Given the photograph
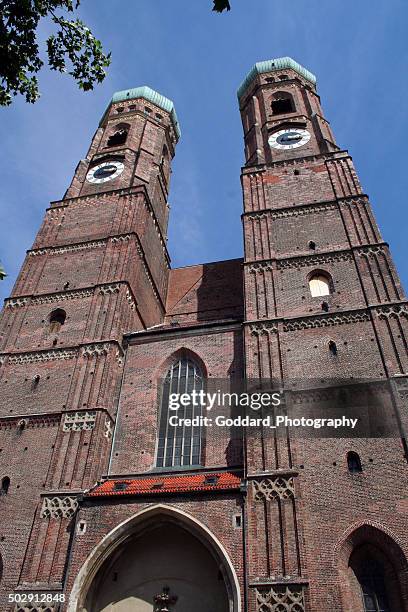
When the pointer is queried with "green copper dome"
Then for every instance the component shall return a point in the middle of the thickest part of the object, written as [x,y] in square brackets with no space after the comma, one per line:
[152,96]
[280,63]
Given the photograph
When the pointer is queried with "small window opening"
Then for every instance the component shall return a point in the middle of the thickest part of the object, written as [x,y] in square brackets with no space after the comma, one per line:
[237,521]
[354,463]
[120,109]
[158,485]
[283,77]
[5,485]
[312,245]
[211,480]
[66,285]
[118,138]
[281,107]
[325,306]
[333,347]
[120,486]
[57,320]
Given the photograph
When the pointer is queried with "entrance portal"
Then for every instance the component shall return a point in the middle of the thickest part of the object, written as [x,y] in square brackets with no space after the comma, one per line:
[162,567]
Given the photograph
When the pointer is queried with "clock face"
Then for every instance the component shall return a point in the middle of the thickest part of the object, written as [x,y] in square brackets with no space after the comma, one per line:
[290,138]
[106,171]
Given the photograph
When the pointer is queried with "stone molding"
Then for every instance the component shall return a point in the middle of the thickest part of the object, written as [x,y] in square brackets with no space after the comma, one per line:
[280,598]
[79,421]
[263,328]
[59,506]
[277,487]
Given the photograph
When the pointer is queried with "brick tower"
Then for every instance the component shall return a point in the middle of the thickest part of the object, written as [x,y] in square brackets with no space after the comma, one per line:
[98,268]
[104,505]
[323,304]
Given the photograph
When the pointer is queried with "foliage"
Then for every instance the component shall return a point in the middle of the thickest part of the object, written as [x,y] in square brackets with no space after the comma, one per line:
[221,5]
[72,48]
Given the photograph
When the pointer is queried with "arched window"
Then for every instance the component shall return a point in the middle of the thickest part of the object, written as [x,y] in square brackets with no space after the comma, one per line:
[180,445]
[319,285]
[354,463]
[5,485]
[282,103]
[119,136]
[57,320]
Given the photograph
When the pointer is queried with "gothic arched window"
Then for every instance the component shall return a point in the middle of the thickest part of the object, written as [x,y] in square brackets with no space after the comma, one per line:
[180,445]
[282,103]
[320,285]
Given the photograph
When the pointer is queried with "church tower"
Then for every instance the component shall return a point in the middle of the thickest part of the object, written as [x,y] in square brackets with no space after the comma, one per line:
[323,306]
[98,269]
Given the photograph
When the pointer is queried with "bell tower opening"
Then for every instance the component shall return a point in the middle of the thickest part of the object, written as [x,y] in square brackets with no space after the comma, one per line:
[162,566]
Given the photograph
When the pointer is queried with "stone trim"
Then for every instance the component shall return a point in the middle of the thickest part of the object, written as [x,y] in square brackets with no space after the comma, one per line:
[79,421]
[277,487]
[58,507]
[280,598]
[263,328]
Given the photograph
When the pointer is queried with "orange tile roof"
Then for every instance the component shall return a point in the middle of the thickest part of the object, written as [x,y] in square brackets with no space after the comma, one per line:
[158,485]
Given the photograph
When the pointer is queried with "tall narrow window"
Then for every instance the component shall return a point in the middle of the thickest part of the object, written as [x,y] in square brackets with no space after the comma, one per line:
[180,445]
[5,485]
[319,285]
[57,320]
[354,463]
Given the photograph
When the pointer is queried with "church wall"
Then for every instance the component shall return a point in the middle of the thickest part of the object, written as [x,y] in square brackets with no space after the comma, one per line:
[146,364]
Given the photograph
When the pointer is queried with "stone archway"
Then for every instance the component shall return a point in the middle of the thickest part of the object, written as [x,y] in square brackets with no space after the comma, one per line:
[157,553]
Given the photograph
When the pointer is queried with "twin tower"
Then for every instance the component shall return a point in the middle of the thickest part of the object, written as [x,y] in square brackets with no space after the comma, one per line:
[106,506]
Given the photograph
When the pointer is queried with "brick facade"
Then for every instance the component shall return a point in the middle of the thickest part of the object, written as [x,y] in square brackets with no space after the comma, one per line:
[80,400]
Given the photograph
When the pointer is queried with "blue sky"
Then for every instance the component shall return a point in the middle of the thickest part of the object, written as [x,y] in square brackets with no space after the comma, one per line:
[357,49]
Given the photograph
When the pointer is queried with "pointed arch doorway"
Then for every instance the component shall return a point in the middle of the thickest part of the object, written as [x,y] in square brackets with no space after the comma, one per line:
[160,560]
